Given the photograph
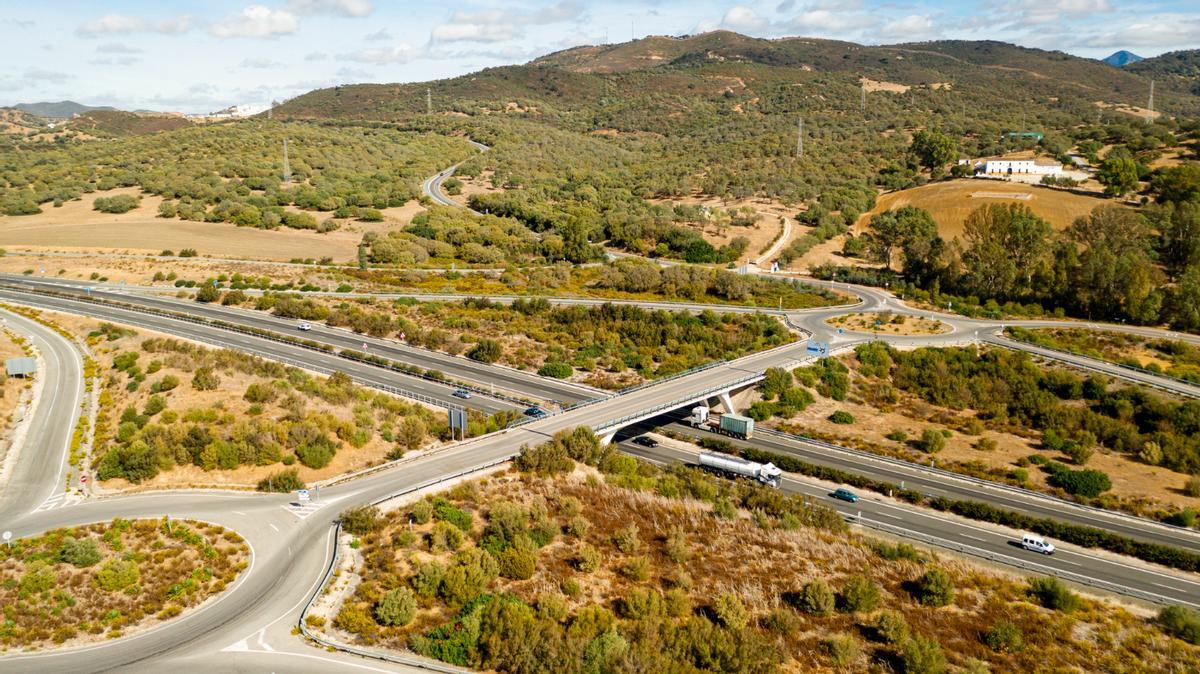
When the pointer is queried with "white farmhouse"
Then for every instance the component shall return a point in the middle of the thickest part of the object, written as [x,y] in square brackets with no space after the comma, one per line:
[1011,167]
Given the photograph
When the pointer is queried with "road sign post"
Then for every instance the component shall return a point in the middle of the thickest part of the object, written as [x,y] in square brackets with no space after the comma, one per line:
[302,495]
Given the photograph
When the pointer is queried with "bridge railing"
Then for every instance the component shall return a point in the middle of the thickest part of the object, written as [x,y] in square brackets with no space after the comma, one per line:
[678,402]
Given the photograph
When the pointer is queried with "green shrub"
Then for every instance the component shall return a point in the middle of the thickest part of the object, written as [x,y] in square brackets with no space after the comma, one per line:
[1085,483]
[117,575]
[922,656]
[517,562]
[556,370]
[446,536]
[860,594]
[677,602]
[587,559]
[1004,637]
[932,441]
[897,436]
[579,526]
[841,417]
[1053,594]
[281,482]
[627,539]
[731,611]
[935,588]
[361,520]
[636,569]
[445,511]
[1181,622]
[39,577]
[891,627]
[485,351]
[817,598]
[843,649]
[79,552]
[316,454]
[642,603]
[422,512]
[396,608]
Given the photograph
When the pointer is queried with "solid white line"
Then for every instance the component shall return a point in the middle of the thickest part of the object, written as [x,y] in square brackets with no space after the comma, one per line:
[273,527]
[974,538]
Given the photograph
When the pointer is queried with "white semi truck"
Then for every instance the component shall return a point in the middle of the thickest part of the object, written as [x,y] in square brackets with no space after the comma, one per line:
[733,425]
[765,473]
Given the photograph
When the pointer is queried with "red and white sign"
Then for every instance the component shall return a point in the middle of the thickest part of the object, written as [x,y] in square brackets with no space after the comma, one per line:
[83,478]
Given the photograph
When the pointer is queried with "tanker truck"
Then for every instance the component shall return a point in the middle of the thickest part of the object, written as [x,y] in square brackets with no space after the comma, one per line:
[733,466]
[733,425]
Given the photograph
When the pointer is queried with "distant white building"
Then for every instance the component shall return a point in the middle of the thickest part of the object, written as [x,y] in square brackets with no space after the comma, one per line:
[1010,167]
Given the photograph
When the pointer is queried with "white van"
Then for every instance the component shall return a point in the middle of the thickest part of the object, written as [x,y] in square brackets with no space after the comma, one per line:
[1037,544]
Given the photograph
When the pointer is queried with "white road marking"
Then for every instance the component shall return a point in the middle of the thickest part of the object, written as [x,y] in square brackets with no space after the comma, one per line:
[273,527]
[974,538]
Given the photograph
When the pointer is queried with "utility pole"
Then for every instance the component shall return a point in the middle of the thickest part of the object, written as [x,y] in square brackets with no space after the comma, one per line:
[287,168]
[428,101]
[1150,104]
[800,139]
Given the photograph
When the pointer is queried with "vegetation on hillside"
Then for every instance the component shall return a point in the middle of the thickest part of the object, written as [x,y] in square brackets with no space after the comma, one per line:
[98,581]
[661,569]
[167,403]
[1172,357]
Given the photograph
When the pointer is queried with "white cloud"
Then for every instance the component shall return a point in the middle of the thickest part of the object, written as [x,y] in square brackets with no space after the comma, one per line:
[19,23]
[120,24]
[743,19]
[381,35]
[495,25]
[474,32]
[51,76]
[117,61]
[117,48]
[1162,31]
[259,63]
[353,74]
[401,53]
[351,8]
[909,28]
[256,21]
[829,21]
[316,56]
[1037,12]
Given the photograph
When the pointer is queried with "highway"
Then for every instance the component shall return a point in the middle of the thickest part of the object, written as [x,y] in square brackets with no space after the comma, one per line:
[988,542]
[920,478]
[325,363]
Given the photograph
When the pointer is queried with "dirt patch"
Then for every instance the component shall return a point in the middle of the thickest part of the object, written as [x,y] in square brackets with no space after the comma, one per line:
[877,85]
[76,226]
[951,202]
[1129,109]
[761,234]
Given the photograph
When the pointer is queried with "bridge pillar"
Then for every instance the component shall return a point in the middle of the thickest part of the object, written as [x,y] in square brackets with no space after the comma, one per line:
[607,438]
[727,402]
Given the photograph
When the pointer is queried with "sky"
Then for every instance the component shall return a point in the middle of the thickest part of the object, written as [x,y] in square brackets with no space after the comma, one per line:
[203,56]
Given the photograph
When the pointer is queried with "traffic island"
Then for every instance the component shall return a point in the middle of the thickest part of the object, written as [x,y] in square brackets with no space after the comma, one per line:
[91,583]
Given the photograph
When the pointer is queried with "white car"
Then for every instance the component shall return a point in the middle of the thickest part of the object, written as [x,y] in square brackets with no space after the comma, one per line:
[305,326]
[1037,544]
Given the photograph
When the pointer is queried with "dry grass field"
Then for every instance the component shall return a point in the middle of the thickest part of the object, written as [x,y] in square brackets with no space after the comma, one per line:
[889,323]
[76,227]
[951,202]
[681,581]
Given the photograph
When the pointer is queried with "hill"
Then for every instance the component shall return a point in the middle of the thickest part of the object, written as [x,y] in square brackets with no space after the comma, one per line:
[1177,70]
[1122,58]
[57,110]
[120,123]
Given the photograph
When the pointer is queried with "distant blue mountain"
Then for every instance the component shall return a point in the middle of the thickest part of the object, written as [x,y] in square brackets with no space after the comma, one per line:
[1122,58]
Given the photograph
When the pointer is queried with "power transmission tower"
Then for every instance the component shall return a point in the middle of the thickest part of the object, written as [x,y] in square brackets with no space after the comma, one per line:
[800,139]
[287,168]
[428,101]
[1150,104]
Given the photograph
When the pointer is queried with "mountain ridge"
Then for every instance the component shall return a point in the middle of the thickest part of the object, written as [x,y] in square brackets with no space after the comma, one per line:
[58,109]
[1122,58]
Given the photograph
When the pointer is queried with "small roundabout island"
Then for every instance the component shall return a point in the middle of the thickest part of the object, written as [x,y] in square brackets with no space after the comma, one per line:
[91,583]
[889,323]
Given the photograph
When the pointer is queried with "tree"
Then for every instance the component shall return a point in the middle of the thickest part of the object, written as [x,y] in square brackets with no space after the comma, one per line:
[396,608]
[1115,276]
[1003,245]
[1119,175]
[933,149]
[1181,622]
[1178,184]
[1179,236]
[932,441]
[411,433]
